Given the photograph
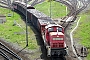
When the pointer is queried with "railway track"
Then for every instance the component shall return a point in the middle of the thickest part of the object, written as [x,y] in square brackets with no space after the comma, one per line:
[7,53]
[72,44]
[33,2]
[71,17]
[3,4]
[36,2]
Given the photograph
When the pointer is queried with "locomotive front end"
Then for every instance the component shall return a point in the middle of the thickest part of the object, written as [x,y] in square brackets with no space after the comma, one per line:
[55,39]
[57,44]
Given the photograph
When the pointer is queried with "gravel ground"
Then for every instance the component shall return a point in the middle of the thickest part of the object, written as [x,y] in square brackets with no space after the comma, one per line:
[76,44]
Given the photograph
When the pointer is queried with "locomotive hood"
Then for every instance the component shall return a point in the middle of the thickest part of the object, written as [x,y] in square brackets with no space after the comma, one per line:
[56,39]
[56,36]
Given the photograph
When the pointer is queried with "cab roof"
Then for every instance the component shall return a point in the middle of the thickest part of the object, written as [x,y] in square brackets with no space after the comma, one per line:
[51,25]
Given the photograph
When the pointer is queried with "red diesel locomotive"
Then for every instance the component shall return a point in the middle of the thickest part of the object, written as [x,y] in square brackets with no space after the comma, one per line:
[52,33]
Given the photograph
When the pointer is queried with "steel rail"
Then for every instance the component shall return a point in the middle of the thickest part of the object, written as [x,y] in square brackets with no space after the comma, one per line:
[11,53]
[4,55]
[40,1]
[3,2]
[71,8]
[6,49]
[4,6]
[34,2]
[37,2]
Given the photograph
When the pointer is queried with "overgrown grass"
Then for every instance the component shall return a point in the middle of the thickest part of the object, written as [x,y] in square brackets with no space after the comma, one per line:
[83,31]
[88,57]
[15,34]
[57,9]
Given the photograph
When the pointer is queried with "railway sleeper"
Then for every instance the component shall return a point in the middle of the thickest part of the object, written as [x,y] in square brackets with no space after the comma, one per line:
[8,51]
[4,55]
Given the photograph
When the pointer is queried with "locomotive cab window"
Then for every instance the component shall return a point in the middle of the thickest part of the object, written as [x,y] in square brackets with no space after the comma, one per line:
[60,29]
[50,29]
